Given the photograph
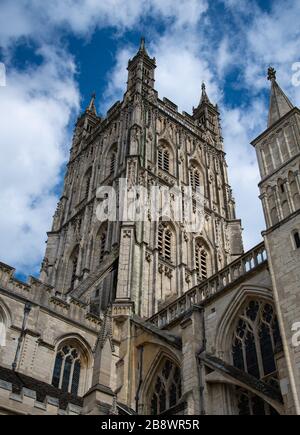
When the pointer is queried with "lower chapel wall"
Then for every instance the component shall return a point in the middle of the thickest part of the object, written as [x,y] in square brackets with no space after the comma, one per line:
[52,320]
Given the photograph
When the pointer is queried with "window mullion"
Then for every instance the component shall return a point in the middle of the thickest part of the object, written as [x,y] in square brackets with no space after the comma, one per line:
[62,372]
[258,350]
[71,377]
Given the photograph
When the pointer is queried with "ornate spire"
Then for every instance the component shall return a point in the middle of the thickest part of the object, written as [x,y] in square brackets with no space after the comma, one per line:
[204,96]
[280,105]
[142,45]
[92,107]
[142,48]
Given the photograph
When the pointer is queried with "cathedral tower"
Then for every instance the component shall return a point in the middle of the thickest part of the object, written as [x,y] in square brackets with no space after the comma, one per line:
[148,142]
[278,153]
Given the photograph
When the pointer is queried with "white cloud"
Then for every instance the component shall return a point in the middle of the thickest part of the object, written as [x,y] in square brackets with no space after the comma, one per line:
[240,127]
[180,70]
[35,109]
[37,104]
[30,17]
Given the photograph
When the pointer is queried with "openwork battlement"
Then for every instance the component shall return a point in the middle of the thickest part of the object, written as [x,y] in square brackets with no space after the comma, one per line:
[235,271]
[39,293]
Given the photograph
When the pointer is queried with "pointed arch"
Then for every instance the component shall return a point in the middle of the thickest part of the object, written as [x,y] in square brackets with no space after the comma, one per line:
[86,183]
[111,160]
[225,327]
[5,322]
[247,336]
[274,218]
[296,239]
[163,384]
[167,241]
[295,194]
[72,365]
[166,157]
[282,189]
[203,259]
[100,245]
[72,268]
[196,175]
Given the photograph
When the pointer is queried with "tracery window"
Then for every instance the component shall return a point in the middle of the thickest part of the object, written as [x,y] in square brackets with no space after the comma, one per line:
[165,239]
[254,340]
[66,374]
[167,388]
[201,259]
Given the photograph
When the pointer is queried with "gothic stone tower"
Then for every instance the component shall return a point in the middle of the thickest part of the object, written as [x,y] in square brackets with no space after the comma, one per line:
[148,142]
[278,152]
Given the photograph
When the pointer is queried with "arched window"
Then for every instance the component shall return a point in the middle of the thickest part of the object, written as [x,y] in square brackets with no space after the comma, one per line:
[165,242]
[272,206]
[66,374]
[2,330]
[87,183]
[73,266]
[294,190]
[282,189]
[255,337]
[164,159]
[195,177]
[296,236]
[100,248]
[111,161]
[113,157]
[202,260]
[167,388]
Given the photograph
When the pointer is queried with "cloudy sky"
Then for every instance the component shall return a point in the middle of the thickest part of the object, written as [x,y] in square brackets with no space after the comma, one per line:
[58,52]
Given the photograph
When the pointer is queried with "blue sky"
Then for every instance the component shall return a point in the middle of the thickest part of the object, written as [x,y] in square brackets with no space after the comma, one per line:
[58,52]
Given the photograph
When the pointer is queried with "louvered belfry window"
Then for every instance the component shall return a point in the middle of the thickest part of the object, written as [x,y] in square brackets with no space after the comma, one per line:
[165,240]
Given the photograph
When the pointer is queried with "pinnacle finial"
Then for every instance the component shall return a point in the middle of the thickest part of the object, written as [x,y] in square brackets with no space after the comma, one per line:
[142,45]
[204,96]
[271,73]
[91,106]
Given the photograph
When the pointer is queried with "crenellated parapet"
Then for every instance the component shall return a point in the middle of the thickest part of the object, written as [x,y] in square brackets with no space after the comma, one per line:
[40,294]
